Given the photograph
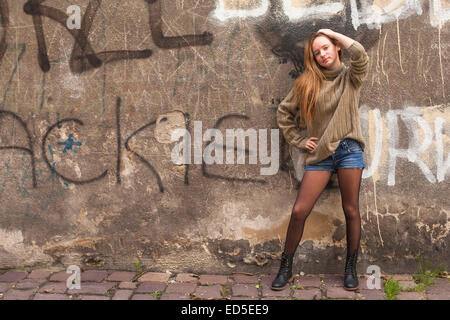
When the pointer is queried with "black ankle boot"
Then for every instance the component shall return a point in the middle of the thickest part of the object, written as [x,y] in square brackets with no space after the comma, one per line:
[284,275]
[350,276]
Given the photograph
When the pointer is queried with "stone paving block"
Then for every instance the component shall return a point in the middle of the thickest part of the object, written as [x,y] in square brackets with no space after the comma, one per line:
[122,295]
[175,296]
[339,293]
[186,277]
[184,288]
[247,290]
[243,278]
[410,296]
[14,294]
[277,298]
[405,285]
[151,287]
[367,294]
[39,274]
[30,283]
[208,292]
[213,279]
[245,298]
[13,276]
[128,285]
[439,296]
[94,275]
[331,280]
[94,297]
[143,297]
[308,281]
[121,276]
[268,292]
[307,294]
[266,280]
[93,288]
[60,276]
[54,287]
[50,296]
[401,277]
[154,277]
[4,286]
[439,286]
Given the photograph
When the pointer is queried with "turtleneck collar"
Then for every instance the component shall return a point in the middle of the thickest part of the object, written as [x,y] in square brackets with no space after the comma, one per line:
[331,74]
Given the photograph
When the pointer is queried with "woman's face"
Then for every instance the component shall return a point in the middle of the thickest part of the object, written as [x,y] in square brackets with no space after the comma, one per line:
[326,53]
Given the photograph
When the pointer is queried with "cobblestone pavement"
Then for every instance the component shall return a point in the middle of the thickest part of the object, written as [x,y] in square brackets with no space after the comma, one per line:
[45,284]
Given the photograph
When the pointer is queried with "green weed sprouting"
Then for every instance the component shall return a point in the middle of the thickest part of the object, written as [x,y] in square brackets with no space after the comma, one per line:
[391,289]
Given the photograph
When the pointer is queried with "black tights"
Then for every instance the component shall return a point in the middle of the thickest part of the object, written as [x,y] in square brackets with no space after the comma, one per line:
[311,187]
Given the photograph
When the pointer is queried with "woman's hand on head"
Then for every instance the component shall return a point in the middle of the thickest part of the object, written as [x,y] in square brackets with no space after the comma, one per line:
[328,32]
[310,144]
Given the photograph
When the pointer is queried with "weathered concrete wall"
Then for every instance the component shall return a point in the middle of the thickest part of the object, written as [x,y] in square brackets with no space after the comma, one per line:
[86,175]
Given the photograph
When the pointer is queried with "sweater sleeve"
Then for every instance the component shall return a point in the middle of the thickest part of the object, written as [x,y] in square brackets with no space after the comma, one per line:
[359,63]
[286,113]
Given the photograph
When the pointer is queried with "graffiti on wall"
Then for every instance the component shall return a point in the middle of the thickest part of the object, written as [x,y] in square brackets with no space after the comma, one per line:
[83,57]
[371,13]
[425,144]
[359,16]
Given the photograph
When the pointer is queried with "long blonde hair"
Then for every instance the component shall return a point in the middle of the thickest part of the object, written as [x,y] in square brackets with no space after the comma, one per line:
[307,85]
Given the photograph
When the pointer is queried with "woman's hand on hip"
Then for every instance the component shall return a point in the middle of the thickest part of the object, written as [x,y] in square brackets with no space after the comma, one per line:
[310,144]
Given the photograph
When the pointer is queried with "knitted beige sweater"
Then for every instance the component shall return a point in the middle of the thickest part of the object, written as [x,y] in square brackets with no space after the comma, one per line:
[337,114]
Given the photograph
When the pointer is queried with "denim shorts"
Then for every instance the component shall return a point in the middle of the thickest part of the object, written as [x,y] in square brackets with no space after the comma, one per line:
[348,154]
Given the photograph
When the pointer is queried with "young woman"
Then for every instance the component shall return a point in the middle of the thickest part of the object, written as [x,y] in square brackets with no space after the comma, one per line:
[327,98]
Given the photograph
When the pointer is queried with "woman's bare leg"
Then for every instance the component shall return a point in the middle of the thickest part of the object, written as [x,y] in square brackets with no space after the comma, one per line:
[311,187]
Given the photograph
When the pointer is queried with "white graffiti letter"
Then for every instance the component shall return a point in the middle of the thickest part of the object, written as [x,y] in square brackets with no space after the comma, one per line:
[442,166]
[438,15]
[411,117]
[370,170]
[374,13]
[226,9]
[321,11]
